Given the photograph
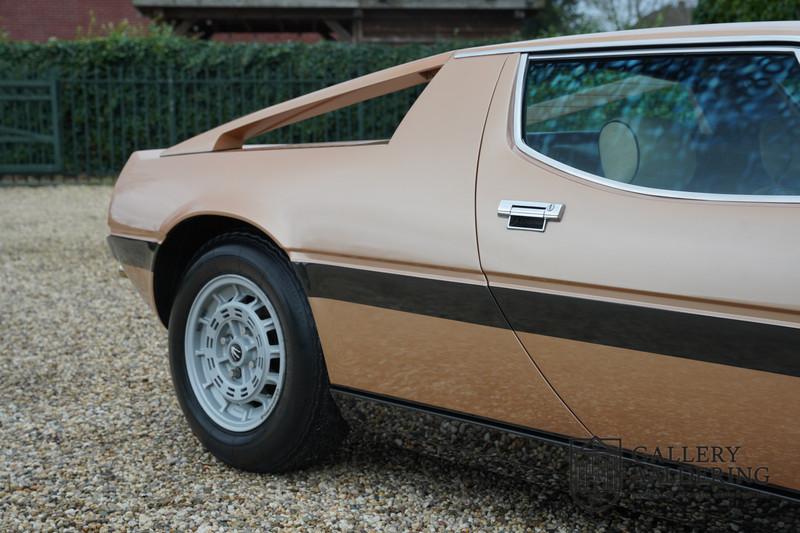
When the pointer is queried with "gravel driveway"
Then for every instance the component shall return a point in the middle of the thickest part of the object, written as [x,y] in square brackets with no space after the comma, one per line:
[93,439]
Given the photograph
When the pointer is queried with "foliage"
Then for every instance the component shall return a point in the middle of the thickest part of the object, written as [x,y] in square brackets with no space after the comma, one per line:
[135,89]
[162,49]
[709,11]
[559,17]
[623,14]
[122,28]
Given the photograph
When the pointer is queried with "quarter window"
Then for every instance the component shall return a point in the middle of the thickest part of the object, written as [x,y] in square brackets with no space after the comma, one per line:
[707,123]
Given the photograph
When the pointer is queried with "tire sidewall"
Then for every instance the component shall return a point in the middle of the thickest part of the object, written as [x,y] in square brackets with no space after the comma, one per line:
[268,445]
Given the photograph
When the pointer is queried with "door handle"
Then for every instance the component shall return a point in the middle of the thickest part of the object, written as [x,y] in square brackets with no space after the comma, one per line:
[531,216]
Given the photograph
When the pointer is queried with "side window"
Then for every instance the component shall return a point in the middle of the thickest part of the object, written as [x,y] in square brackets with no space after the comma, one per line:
[712,123]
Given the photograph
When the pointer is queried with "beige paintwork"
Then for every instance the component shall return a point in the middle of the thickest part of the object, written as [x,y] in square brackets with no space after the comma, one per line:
[408,206]
[655,400]
[678,242]
[439,362]
[623,247]
[372,189]
[738,33]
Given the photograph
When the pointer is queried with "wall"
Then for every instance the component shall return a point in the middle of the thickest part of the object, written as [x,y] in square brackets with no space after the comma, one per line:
[38,20]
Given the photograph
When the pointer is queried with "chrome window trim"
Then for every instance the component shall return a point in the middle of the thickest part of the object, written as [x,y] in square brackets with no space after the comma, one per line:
[519,142]
[641,44]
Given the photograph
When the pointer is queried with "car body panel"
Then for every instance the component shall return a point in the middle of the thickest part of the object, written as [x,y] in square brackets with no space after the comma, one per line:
[736,33]
[652,400]
[383,225]
[449,364]
[617,271]
[368,188]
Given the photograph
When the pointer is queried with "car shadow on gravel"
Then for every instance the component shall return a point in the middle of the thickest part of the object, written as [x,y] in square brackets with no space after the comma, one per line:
[531,478]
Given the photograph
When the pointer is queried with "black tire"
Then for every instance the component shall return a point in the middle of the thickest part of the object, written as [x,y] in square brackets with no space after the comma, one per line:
[305,424]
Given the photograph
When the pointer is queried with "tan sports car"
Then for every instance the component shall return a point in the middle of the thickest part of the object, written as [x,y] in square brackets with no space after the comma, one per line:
[582,236]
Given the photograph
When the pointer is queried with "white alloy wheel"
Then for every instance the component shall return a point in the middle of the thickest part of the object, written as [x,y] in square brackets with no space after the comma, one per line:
[235,353]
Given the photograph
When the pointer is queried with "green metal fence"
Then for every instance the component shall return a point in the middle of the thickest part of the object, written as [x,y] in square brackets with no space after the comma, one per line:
[29,129]
[90,124]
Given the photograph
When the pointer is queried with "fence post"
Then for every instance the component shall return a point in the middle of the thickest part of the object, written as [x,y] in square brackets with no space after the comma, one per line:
[360,107]
[58,160]
[171,97]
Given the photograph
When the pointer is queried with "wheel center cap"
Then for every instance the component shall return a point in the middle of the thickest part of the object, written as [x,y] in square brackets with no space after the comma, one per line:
[235,352]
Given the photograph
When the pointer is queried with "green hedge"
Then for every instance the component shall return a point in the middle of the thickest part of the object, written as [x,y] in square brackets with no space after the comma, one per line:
[161,49]
[122,93]
[711,11]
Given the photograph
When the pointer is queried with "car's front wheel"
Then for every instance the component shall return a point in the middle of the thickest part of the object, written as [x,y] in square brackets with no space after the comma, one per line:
[246,360]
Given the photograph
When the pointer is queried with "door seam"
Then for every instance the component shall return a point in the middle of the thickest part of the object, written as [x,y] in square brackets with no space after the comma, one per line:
[480,261]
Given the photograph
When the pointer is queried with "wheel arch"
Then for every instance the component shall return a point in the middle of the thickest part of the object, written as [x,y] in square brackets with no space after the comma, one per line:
[181,243]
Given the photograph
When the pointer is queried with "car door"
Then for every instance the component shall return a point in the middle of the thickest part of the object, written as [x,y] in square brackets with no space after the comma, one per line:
[637,218]
[387,251]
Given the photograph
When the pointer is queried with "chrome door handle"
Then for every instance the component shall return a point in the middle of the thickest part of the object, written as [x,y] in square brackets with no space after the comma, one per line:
[531,216]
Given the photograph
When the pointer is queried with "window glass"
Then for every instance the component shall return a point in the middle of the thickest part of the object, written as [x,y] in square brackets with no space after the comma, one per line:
[710,123]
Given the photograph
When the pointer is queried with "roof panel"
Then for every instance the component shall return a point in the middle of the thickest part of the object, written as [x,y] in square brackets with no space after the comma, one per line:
[741,31]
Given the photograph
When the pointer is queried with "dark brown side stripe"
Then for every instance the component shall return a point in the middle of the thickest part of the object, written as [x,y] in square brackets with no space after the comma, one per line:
[703,338]
[738,343]
[424,296]
[134,252]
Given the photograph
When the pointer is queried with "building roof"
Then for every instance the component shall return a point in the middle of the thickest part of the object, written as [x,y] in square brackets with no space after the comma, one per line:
[395,21]
[346,4]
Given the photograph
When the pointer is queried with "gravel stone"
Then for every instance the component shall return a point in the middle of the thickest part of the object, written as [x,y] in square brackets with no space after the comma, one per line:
[93,438]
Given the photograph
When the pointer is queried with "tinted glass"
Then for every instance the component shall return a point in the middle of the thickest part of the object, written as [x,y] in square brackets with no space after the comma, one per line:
[700,123]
